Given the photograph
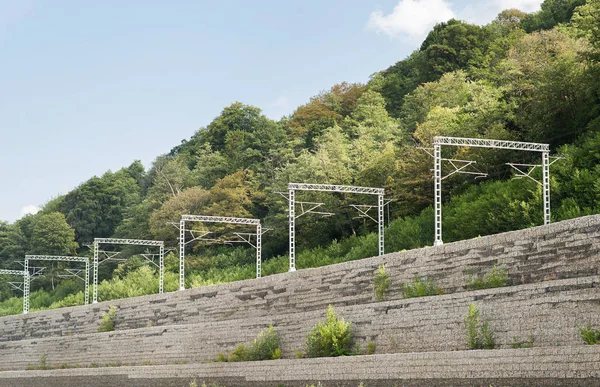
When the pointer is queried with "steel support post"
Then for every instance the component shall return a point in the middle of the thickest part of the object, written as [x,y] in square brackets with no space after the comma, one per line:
[26,282]
[182,255]
[546,185]
[437,182]
[258,251]
[161,268]
[87,282]
[381,225]
[292,217]
[95,291]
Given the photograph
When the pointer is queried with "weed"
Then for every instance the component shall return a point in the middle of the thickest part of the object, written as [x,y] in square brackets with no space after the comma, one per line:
[420,287]
[240,353]
[589,335]
[495,278]
[522,344]
[108,320]
[382,283]
[221,357]
[479,335]
[299,354]
[265,346]
[370,348]
[332,338]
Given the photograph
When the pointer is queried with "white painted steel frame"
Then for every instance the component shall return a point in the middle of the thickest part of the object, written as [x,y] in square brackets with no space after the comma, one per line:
[217,219]
[131,242]
[438,141]
[61,258]
[293,187]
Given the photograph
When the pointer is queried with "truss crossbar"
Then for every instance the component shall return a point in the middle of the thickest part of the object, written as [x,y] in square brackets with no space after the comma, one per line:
[220,219]
[484,143]
[12,272]
[336,188]
[118,241]
[56,258]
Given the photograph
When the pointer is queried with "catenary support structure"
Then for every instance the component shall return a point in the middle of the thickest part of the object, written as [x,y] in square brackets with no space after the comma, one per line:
[57,258]
[130,242]
[293,187]
[440,141]
[217,219]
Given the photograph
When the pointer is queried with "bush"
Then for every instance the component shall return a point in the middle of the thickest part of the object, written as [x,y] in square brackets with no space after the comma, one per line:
[479,335]
[589,335]
[265,346]
[382,283]
[420,287]
[496,278]
[370,348]
[332,338]
[108,320]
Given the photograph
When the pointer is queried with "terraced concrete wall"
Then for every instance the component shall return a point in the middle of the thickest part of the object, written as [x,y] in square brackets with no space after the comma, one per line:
[549,312]
[536,367]
[567,249]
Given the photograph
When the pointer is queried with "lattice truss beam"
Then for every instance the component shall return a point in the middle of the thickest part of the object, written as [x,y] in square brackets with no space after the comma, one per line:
[462,166]
[313,207]
[36,272]
[253,239]
[13,284]
[114,256]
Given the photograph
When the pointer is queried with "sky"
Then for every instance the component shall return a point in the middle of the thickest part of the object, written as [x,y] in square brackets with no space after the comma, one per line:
[87,87]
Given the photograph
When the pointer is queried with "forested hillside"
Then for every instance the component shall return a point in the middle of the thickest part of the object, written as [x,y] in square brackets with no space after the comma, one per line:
[526,77]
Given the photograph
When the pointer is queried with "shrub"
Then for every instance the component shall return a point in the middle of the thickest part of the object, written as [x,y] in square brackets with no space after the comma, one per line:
[479,335]
[382,283]
[522,344]
[332,338]
[589,335]
[370,348]
[265,346]
[420,287]
[108,320]
[497,277]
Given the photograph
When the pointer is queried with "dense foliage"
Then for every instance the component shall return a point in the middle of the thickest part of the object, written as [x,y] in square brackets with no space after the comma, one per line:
[526,77]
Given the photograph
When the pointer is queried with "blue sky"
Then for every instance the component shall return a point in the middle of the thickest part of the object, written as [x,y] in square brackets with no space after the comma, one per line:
[87,87]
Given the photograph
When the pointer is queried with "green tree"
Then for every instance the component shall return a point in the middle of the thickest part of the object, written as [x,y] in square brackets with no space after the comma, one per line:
[52,235]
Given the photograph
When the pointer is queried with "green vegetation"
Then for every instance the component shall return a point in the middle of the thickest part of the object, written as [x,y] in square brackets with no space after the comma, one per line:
[264,347]
[332,338]
[495,278]
[525,77]
[479,334]
[108,320]
[589,335]
[420,287]
[522,344]
[382,283]
[370,348]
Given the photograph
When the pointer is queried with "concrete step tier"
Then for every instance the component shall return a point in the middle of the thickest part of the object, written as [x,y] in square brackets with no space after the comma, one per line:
[534,367]
[549,312]
[569,249]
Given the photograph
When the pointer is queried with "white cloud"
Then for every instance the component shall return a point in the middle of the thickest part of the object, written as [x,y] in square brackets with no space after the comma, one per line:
[31,209]
[411,19]
[483,12]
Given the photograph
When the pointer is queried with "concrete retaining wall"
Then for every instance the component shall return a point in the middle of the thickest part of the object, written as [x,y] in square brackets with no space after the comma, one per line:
[536,367]
[568,249]
[549,312]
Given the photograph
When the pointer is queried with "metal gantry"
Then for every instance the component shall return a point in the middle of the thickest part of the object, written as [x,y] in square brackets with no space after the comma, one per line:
[59,258]
[243,238]
[293,187]
[13,284]
[130,242]
[439,141]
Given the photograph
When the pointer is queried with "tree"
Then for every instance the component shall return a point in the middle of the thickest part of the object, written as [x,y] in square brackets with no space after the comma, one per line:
[553,12]
[52,235]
